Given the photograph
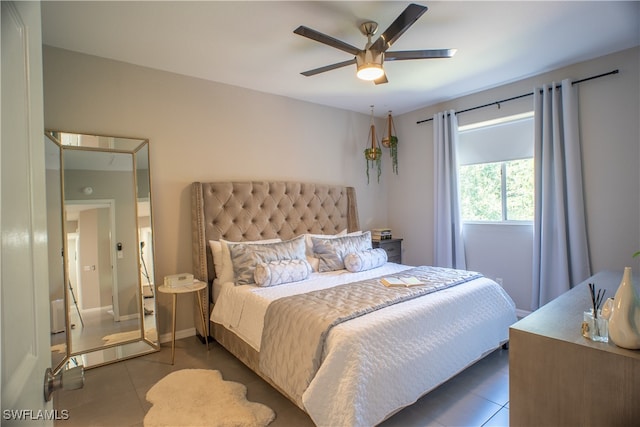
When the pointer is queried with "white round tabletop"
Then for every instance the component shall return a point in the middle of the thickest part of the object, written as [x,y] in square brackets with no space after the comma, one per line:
[196,286]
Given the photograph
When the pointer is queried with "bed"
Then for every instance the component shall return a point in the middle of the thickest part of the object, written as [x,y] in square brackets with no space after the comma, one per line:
[364,364]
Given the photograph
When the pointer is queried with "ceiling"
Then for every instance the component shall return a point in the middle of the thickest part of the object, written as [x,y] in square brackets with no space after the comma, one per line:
[251,44]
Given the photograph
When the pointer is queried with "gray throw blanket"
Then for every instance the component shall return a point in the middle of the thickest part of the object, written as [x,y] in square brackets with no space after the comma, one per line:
[295,327]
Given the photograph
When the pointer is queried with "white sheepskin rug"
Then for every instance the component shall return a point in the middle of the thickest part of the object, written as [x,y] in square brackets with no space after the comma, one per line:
[200,397]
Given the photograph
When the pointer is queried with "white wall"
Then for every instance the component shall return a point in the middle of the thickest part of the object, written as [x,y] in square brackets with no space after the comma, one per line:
[205,131]
[609,116]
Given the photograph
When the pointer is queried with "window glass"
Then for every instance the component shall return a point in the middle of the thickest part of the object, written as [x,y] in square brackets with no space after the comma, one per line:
[520,190]
[480,192]
[496,174]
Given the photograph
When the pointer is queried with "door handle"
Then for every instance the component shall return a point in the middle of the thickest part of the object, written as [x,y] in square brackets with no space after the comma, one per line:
[67,379]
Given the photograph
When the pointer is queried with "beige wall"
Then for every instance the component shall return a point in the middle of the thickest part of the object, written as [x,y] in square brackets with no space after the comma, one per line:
[205,131]
[610,133]
[201,130]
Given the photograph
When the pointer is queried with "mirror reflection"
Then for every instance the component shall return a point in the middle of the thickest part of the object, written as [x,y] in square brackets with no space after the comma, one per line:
[55,252]
[107,287]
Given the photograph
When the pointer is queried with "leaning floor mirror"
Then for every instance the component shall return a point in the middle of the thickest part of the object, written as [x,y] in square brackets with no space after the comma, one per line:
[100,238]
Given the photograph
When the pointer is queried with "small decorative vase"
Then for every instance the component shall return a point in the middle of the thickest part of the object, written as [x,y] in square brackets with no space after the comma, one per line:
[624,323]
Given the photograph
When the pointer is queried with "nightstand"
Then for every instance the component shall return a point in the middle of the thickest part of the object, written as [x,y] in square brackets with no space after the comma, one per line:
[393,247]
[197,286]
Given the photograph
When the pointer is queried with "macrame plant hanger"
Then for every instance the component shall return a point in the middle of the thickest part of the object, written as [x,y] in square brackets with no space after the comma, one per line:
[390,141]
[373,153]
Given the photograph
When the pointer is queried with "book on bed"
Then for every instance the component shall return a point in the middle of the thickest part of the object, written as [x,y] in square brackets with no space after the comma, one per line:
[392,282]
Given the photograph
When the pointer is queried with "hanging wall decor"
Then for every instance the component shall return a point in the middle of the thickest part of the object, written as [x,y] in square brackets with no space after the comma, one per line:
[373,153]
[390,141]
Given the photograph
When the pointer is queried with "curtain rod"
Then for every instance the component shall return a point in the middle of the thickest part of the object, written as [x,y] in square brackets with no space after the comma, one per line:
[523,95]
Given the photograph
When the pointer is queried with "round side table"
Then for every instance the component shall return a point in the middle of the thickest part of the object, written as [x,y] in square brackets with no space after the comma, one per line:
[197,286]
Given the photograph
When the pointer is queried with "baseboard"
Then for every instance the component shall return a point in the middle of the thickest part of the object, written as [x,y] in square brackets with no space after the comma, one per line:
[109,309]
[184,333]
[522,313]
[129,317]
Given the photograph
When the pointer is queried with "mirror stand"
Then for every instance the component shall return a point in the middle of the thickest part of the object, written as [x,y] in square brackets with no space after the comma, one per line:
[102,291]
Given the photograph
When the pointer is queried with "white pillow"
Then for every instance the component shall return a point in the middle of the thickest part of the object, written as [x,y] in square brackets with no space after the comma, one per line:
[281,271]
[222,257]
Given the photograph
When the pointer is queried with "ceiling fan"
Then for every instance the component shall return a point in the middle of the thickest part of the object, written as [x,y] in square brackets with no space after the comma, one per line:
[369,60]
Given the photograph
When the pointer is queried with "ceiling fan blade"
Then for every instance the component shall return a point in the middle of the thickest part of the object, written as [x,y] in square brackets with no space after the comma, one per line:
[419,54]
[328,67]
[381,80]
[328,40]
[402,23]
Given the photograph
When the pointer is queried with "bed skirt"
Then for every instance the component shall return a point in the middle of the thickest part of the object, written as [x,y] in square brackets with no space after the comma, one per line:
[244,352]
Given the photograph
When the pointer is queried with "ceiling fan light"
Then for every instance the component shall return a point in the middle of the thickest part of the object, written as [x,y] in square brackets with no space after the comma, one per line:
[369,65]
[370,71]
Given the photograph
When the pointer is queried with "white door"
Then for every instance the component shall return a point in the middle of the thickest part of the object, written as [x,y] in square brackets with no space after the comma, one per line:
[24,303]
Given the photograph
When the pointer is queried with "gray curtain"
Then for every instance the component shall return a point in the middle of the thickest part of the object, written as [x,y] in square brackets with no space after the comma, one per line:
[448,242]
[561,257]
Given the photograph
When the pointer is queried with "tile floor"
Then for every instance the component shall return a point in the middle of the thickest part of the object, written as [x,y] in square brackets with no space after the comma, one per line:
[89,331]
[114,395]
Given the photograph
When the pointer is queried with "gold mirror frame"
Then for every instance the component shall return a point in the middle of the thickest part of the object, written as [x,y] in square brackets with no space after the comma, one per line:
[126,248]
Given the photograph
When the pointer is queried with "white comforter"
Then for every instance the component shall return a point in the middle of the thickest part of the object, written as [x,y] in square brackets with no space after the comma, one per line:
[383,361]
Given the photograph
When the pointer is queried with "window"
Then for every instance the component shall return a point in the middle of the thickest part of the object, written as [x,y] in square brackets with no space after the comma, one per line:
[496,170]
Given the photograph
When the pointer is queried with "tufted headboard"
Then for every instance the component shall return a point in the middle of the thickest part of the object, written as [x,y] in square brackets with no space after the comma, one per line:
[255,210]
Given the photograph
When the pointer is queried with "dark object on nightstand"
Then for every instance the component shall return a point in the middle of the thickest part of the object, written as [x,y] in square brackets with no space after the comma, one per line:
[393,247]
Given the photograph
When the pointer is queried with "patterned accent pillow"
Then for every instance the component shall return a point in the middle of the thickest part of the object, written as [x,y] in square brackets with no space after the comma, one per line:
[282,271]
[245,257]
[222,258]
[315,262]
[365,260]
[331,252]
